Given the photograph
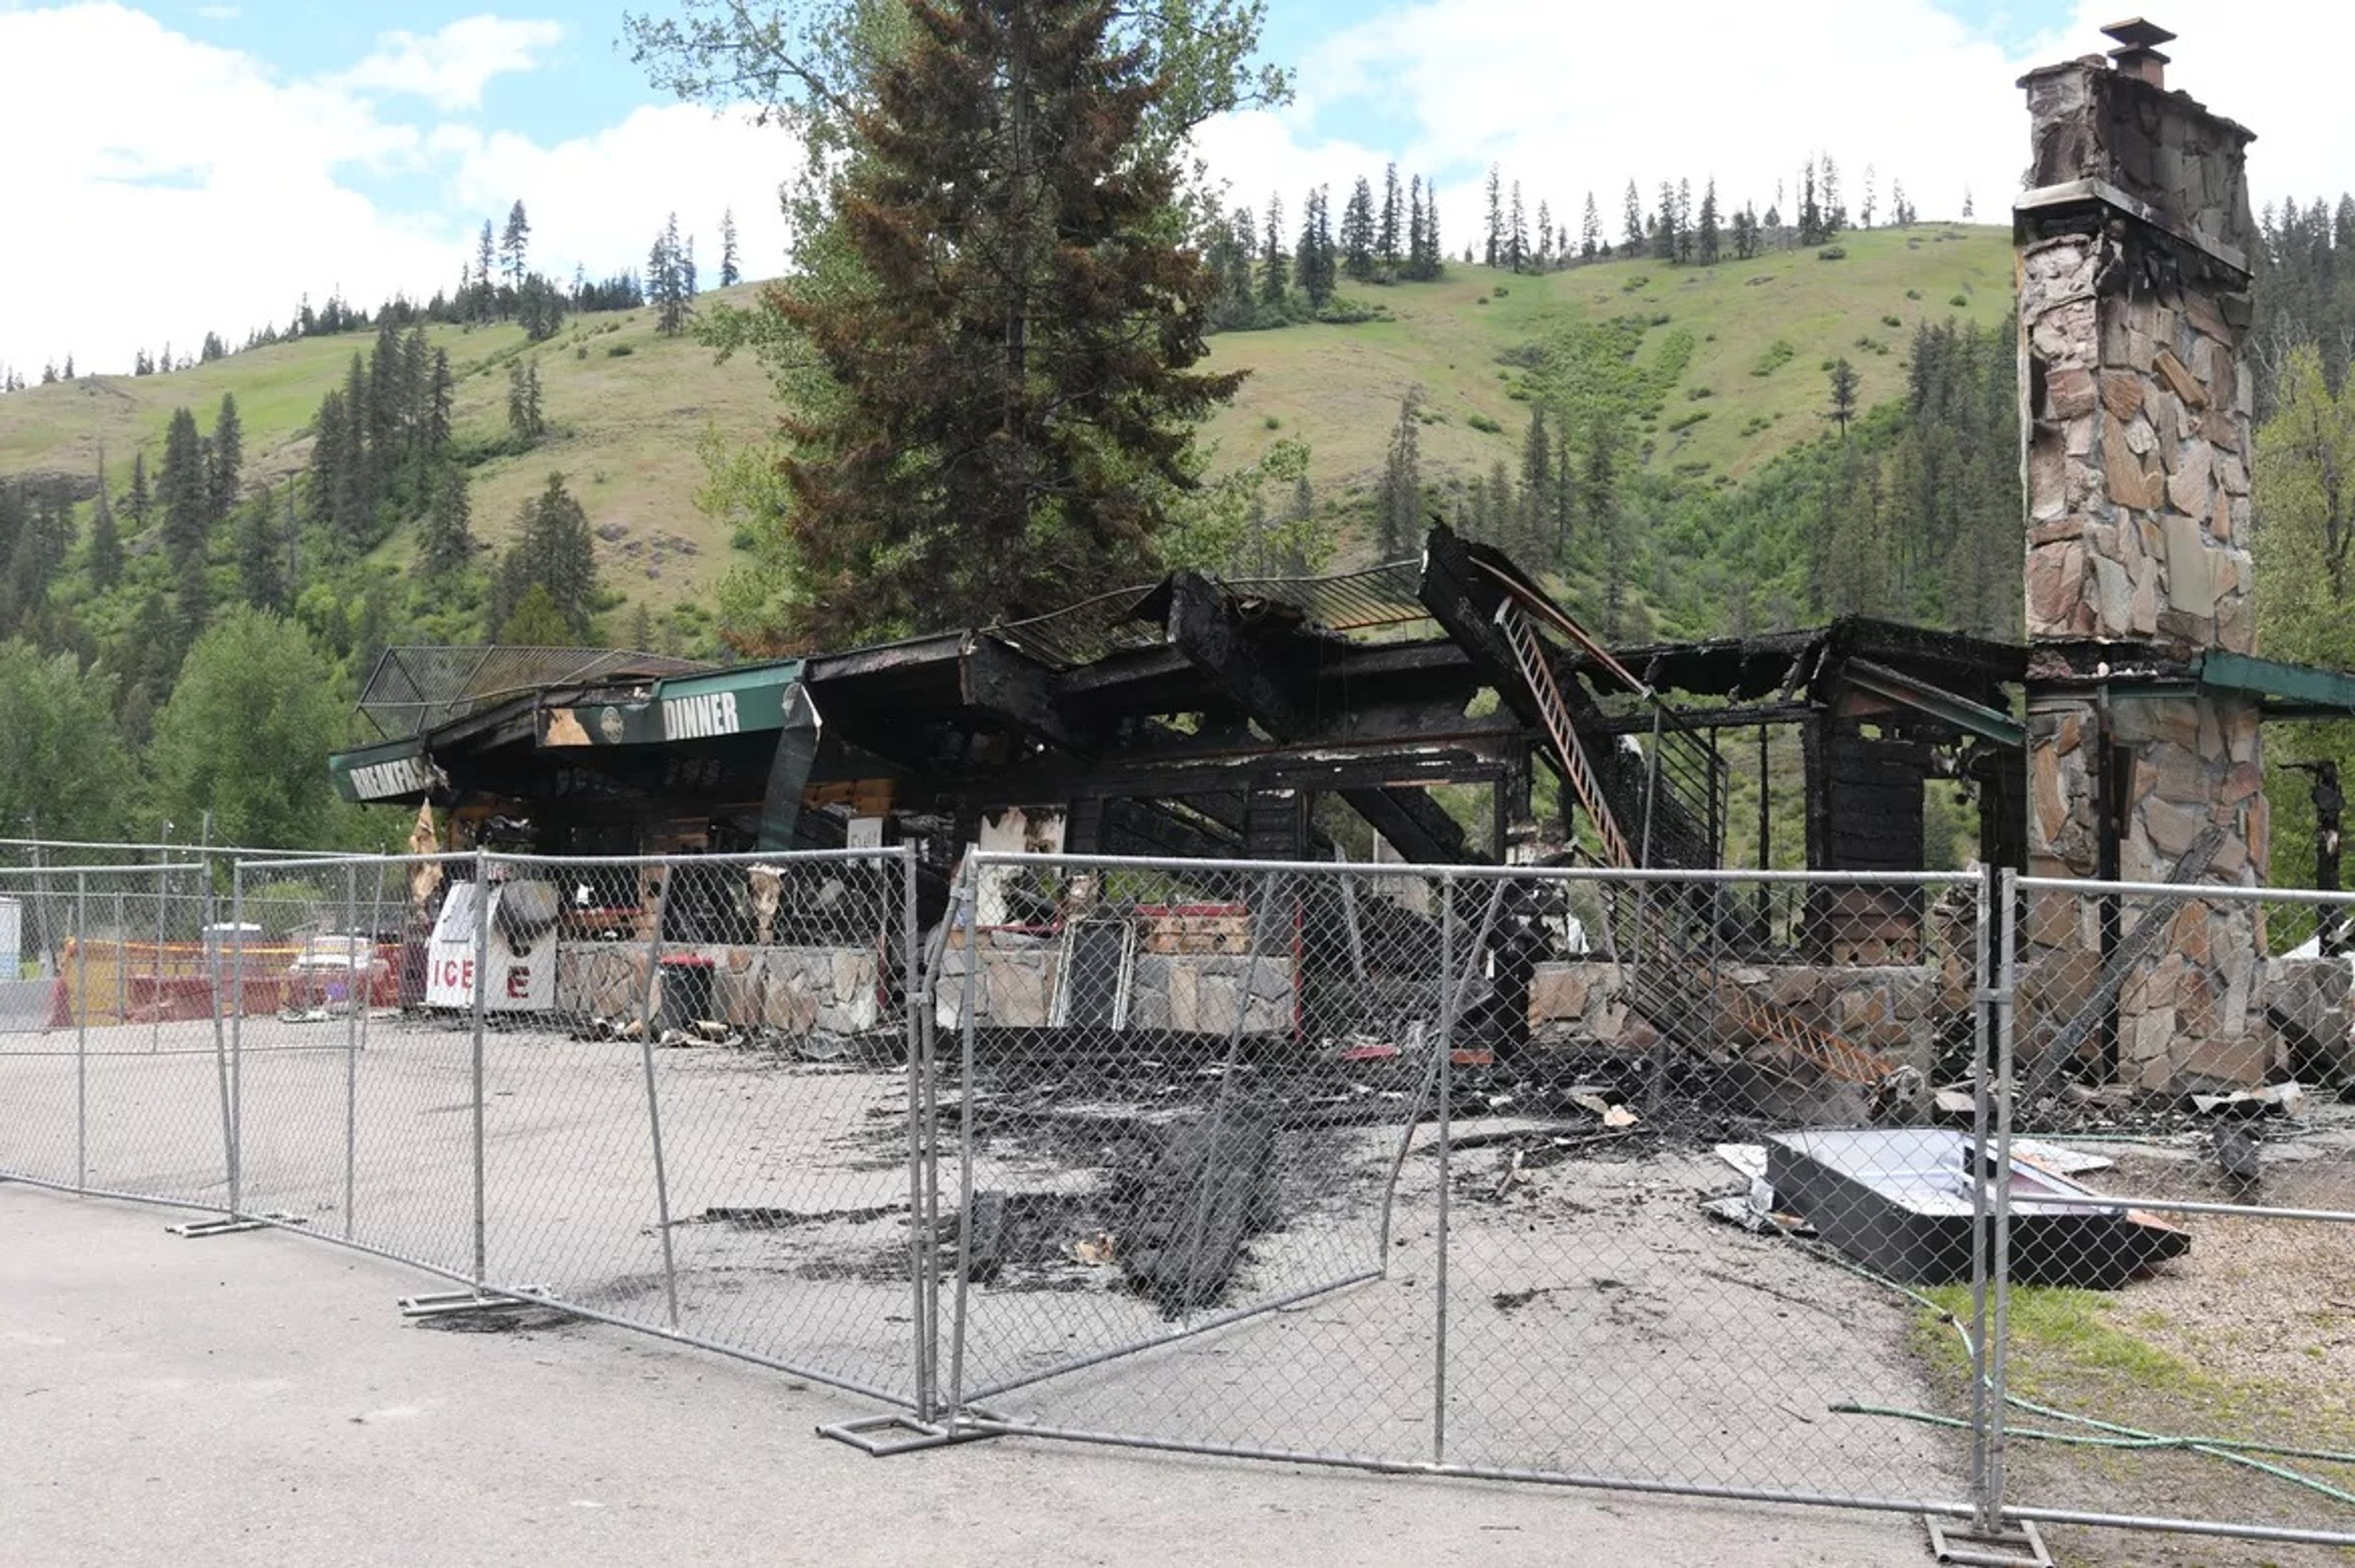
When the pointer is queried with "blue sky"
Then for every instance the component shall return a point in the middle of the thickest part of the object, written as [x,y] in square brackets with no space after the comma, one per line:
[286,148]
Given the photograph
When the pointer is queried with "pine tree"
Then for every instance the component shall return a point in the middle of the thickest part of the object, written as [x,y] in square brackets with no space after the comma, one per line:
[1359,237]
[105,559]
[525,423]
[667,283]
[1589,231]
[1545,236]
[1705,250]
[140,499]
[1631,238]
[185,489]
[1843,384]
[1664,225]
[1537,481]
[1399,503]
[554,551]
[447,541]
[1313,263]
[1274,269]
[225,461]
[730,272]
[1968,210]
[486,297]
[1864,208]
[1811,216]
[1835,211]
[260,574]
[1386,239]
[440,389]
[946,473]
[1495,246]
[515,240]
[1416,230]
[1517,233]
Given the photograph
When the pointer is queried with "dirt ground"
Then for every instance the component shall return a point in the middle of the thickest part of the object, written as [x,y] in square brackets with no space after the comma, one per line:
[2248,1337]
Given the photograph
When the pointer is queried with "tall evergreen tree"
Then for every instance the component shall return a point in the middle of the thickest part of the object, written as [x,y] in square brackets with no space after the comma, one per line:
[514,241]
[1314,258]
[1495,249]
[225,462]
[1536,482]
[1357,236]
[1399,502]
[1517,232]
[1275,266]
[1664,225]
[486,295]
[186,487]
[446,542]
[1631,237]
[1590,230]
[105,559]
[730,272]
[1011,405]
[555,551]
[1843,387]
[260,571]
[1387,230]
[1705,250]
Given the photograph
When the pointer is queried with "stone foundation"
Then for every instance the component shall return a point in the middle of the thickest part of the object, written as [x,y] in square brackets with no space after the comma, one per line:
[1172,993]
[1892,1010]
[790,990]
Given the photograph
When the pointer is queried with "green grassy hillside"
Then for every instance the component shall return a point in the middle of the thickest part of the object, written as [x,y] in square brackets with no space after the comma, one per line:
[1726,361]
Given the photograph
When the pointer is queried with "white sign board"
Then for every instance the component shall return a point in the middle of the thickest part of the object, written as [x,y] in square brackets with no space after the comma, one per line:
[520,983]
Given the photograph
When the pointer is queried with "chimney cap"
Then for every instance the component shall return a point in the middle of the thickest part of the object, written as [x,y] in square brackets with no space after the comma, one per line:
[2135,33]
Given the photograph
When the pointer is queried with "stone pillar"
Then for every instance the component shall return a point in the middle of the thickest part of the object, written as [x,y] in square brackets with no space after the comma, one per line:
[2133,276]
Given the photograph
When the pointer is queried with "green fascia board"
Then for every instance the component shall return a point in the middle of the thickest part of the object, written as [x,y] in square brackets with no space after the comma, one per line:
[2288,690]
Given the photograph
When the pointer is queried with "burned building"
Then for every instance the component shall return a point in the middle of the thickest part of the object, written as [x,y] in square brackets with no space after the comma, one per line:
[1447,711]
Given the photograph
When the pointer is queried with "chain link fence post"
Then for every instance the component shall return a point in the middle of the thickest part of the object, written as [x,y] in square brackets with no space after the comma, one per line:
[1445,1046]
[648,1025]
[965,915]
[1984,992]
[81,1030]
[360,986]
[480,1000]
[914,1001]
[211,948]
[2006,993]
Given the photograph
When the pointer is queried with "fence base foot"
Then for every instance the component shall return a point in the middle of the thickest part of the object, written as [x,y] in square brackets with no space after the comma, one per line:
[871,1434]
[197,1230]
[2021,1548]
[444,1303]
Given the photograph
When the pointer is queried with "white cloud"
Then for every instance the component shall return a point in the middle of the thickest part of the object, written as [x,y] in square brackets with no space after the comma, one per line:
[220,13]
[669,158]
[449,68]
[204,192]
[1581,98]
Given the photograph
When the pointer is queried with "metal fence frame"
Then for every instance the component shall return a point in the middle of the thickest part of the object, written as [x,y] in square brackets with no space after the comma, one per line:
[942,1398]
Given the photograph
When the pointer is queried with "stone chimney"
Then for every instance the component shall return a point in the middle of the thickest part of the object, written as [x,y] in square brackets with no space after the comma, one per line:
[2132,257]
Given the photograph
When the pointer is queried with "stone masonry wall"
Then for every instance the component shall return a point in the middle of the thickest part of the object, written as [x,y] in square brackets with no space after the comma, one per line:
[1890,1008]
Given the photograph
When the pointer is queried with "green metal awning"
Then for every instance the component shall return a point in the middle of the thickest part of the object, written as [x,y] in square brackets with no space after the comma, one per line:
[682,708]
[2286,690]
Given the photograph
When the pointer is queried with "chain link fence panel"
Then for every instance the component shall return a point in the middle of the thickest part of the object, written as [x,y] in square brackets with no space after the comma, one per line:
[1403,1167]
[2180,1226]
[112,1071]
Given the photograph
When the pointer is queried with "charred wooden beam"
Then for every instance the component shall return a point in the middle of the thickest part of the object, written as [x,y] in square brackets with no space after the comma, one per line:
[998,682]
[1415,825]
[1204,627]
